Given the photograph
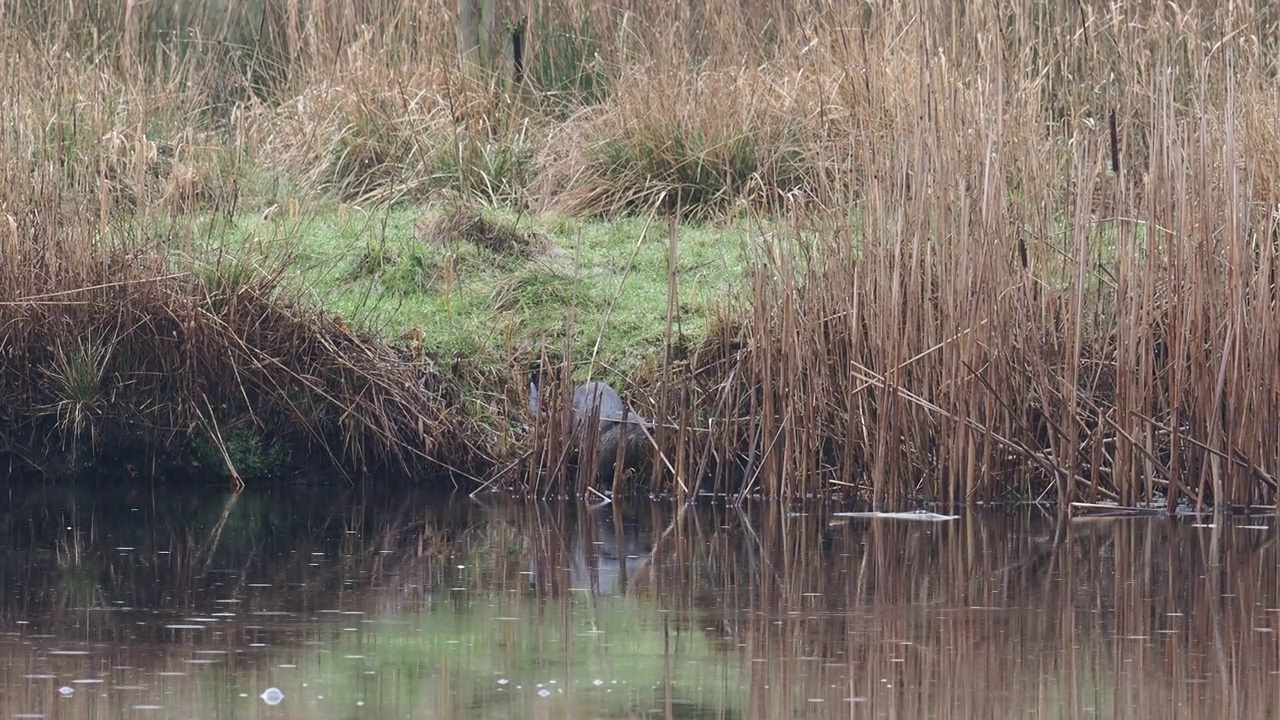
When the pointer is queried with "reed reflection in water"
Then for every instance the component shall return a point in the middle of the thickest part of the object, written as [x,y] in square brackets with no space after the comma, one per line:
[390,604]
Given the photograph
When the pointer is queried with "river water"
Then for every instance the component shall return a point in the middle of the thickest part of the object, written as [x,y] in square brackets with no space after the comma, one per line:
[334,602]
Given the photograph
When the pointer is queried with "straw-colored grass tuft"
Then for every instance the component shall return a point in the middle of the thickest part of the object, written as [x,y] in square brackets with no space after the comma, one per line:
[466,224]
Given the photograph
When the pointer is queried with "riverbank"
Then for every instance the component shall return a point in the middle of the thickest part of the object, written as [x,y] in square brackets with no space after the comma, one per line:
[1013,253]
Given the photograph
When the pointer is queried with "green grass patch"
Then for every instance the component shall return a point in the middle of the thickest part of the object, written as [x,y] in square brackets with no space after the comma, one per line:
[486,284]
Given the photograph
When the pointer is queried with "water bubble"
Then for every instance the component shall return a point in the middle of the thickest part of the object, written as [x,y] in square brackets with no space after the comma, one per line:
[597,682]
[503,681]
[66,690]
[544,692]
[272,696]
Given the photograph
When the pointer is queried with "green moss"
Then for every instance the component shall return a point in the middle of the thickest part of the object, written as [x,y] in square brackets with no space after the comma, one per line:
[251,453]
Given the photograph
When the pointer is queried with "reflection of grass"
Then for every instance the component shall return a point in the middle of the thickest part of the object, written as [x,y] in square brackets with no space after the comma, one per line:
[77,586]
[442,657]
[78,566]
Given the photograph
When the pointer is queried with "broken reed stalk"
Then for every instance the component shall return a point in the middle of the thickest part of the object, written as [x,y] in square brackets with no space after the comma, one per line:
[665,387]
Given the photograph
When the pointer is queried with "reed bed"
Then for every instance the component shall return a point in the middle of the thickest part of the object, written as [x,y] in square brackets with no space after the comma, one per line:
[1054,276]
[1032,256]
[1006,250]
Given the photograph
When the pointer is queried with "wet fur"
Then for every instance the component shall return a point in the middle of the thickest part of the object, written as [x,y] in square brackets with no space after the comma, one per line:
[597,407]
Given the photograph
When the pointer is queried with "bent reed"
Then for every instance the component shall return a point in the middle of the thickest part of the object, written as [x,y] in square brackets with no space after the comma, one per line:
[1003,250]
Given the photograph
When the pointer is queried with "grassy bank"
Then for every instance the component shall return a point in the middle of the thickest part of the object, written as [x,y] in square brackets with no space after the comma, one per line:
[903,252]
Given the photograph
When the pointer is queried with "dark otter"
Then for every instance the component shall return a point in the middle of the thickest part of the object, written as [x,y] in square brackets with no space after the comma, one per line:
[601,420]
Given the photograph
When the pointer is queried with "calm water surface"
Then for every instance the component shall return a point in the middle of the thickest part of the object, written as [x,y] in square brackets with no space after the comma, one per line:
[348,603]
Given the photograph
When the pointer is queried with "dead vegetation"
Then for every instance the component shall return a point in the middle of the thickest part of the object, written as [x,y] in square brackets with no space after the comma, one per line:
[1027,250]
[467,224]
[117,349]
[1043,266]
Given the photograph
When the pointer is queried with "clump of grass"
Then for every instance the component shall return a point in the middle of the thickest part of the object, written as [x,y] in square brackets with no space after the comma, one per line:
[373,262]
[75,377]
[535,287]
[700,145]
[242,448]
[369,136]
[463,223]
[566,70]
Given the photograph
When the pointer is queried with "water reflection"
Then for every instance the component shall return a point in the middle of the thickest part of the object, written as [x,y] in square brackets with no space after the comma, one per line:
[607,546]
[362,604]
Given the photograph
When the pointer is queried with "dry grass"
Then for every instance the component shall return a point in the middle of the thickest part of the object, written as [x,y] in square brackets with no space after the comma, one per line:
[1013,303]
[470,225]
[1031,248]
[117,347]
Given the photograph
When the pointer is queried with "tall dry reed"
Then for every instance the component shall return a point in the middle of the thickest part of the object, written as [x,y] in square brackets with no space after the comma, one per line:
[1055,279]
